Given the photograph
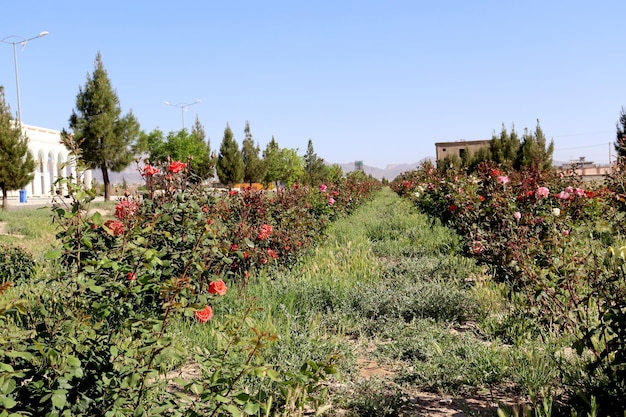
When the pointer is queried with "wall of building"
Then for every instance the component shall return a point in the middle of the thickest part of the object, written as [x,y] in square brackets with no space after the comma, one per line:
[52,160]
[444,149]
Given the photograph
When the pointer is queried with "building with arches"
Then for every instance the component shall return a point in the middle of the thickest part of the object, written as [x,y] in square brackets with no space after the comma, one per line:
[52,161]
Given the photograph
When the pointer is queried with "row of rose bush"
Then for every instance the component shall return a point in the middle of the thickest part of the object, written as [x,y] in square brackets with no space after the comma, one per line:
[502,216]
[94,339]
[548,236]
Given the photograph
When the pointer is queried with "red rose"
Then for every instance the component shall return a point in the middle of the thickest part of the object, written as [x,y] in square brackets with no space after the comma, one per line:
[204,315]
[217,287]
[149,170]
[114,227]
[177,166]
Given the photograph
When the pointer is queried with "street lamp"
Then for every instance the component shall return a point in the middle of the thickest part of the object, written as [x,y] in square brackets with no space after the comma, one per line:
[22,42]
[183,108]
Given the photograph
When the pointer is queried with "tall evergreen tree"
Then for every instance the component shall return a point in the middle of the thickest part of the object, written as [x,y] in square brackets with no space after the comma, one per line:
[271,158]
[229,160]
[504,148]
[620,140]
[253,166]
[105,137]
[313,165]
[533,152]
[203,163]
[17,165]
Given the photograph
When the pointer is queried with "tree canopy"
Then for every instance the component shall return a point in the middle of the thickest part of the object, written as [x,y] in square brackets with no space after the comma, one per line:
[253,165]
[17,165]
[182,146]
[620,140]
[105,137]
[229,160]
[506,149]
[314,166]
[534,152]
[503,149]
[282,164]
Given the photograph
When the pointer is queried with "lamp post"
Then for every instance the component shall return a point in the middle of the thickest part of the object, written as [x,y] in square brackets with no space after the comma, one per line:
[183,108]
[23,42]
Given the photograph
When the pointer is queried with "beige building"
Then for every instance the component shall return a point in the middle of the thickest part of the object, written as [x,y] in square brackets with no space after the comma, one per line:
[459,148]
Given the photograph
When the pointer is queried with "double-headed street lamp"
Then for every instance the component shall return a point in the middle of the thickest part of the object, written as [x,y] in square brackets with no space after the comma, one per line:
[23,42]
[183,108]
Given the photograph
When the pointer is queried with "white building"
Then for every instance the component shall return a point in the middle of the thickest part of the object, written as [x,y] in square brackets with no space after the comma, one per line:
[52,160]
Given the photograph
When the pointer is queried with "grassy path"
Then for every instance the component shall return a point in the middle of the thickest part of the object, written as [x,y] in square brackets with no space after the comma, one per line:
[407,317]
[389,299]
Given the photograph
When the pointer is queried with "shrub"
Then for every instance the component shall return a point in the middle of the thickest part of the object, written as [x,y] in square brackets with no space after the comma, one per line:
[16,264]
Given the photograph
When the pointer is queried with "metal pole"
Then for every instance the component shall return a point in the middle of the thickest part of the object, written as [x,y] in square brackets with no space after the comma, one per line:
[17,85]
[17,77]
[183,108]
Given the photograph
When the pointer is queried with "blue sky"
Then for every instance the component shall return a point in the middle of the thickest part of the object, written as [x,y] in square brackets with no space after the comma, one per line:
[378,81]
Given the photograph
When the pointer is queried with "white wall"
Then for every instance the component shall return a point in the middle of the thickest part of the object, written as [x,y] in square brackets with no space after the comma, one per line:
[52,160]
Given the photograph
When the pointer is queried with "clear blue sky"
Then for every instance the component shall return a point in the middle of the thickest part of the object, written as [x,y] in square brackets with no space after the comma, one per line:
[378,81]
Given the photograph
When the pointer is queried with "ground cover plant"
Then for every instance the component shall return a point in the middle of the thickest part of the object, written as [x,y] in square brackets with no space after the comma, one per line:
[555,245]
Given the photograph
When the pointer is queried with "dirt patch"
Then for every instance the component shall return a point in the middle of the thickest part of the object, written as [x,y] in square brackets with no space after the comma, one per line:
[103,212]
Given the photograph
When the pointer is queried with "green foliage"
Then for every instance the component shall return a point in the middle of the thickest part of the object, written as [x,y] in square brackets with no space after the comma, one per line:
[544,237]
[105,137]
[96,337]
[374,398]
[182,146]
[442,359]
[534,153]
[316,170]
[16,161]
[16,264]
[504,148]
[229,161]
[282,164]
[620,140]
[254,167]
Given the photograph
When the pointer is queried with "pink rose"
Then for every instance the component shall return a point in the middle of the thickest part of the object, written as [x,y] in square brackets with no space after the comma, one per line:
[542,192]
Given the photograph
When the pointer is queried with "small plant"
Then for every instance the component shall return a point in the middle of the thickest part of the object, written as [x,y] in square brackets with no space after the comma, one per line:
[16,264]
[373,398]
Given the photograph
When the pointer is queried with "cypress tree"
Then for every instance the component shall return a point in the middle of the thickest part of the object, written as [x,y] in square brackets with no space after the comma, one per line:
[314,165]
[253,166]
[229,160]
[105,138]
[620,140]
[17,165]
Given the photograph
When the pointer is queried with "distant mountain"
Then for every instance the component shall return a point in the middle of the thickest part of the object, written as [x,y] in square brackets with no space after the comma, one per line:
[390,172]
[130,174]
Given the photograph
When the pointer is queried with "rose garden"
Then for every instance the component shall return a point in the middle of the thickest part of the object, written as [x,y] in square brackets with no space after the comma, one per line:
[506,287]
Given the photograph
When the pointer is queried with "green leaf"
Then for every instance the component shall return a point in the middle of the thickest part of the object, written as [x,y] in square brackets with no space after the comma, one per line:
[233,410]
[139,411]
[73,361]
[7,403]
[53,254]
[251,408]
[97,218]
[58,398]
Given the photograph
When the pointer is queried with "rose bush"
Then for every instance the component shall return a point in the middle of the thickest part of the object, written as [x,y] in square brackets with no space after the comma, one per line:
[544,235]
[93,340]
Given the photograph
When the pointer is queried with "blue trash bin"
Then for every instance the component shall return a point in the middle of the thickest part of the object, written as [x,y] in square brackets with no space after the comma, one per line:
[22,196]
